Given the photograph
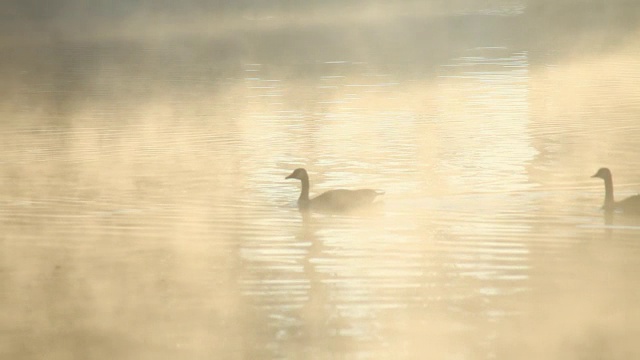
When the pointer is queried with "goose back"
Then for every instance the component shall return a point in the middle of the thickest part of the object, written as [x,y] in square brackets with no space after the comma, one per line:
[630,205]
[343,200]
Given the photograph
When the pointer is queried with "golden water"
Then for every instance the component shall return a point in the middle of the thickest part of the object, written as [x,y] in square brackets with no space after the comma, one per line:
[145,214]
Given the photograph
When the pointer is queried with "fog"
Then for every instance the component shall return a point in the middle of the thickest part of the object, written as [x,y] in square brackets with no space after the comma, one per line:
[145,212]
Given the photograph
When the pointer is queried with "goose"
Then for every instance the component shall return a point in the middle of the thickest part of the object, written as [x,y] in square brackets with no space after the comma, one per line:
[333,200]
[628,205]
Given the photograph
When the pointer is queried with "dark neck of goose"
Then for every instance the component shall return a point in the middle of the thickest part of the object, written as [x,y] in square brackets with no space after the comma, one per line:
[304,194]
[609,203]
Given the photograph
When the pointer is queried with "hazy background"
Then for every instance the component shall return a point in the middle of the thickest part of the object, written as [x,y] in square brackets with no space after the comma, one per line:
[145,214]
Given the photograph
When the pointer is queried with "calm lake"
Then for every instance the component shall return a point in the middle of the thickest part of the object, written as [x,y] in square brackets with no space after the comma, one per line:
[145,212]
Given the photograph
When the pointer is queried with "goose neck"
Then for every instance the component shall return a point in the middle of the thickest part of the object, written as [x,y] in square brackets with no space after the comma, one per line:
[608,193]
[304,194]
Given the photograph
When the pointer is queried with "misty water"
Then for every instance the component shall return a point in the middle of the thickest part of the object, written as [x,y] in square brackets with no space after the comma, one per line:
[145,214]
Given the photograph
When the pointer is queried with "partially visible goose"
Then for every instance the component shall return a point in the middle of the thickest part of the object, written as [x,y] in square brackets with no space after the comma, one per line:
[628,205]
[332,200]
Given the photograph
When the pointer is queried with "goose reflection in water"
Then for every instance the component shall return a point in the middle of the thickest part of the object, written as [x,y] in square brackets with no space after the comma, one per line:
[339,200]
[630,205]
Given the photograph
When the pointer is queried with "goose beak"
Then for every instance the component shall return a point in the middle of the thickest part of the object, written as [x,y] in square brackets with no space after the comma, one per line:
[290,176]
[595,175]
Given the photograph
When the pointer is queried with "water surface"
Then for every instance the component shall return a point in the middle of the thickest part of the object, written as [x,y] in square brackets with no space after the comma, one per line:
[145,212]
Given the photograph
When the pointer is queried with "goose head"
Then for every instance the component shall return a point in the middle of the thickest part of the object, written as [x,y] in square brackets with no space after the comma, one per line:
[299,174]
[603,173]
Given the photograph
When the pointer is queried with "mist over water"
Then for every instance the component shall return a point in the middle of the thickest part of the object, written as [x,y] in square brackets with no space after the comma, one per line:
[145,213]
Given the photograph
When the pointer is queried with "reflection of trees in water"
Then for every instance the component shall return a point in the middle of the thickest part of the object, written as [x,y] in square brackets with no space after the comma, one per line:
[273,30]
[590,26]
[168,57]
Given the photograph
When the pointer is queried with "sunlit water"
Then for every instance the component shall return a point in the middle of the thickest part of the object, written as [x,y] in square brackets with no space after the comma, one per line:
[145,213]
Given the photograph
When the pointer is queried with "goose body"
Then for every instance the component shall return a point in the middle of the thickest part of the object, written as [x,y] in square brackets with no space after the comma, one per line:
[628,205]
[333,200]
